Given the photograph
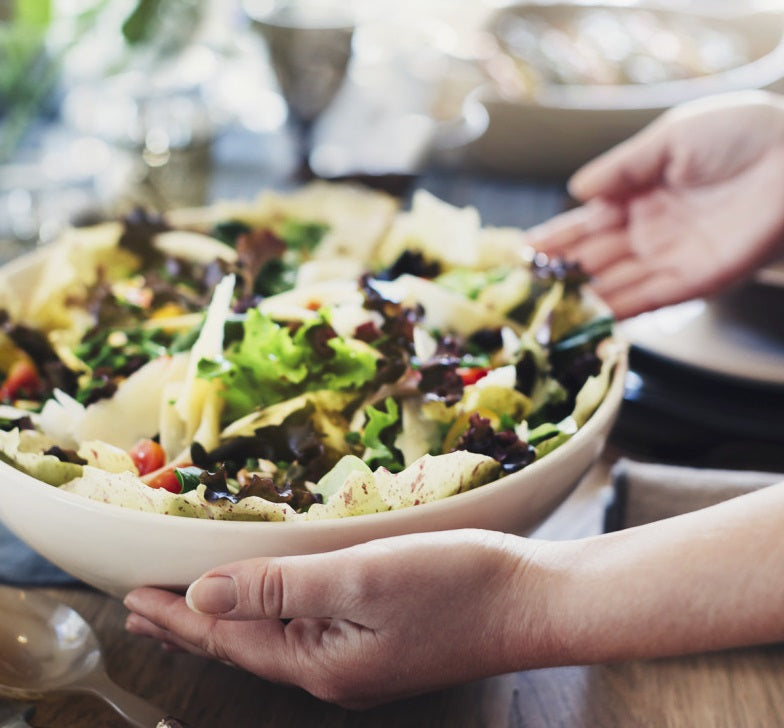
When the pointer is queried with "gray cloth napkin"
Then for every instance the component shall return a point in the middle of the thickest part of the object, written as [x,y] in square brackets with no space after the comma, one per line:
[645,492]
[20,565]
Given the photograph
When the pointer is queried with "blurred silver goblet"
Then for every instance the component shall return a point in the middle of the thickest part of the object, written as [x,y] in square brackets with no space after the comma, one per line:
[309,48]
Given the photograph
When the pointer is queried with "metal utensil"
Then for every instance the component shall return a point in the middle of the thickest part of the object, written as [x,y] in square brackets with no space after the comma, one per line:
[46,646]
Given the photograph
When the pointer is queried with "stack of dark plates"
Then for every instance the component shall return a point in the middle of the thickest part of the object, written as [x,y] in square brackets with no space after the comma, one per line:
[706,382]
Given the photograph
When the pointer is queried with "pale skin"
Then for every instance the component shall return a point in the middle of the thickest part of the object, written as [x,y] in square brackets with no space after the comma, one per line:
[690,204]
[411,614]
[683,209]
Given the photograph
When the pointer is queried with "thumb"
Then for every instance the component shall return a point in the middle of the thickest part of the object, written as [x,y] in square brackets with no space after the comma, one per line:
[273,588]
[631,166]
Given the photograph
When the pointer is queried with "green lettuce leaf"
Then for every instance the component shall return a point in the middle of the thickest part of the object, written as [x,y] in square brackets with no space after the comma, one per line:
[377,452]
[549,435]
[271,364]
[302,235]
[471,282]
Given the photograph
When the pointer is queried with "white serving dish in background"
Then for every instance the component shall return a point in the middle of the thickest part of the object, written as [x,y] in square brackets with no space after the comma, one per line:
[558,127]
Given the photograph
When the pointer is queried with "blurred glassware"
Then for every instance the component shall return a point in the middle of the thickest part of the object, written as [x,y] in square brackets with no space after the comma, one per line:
[136,79]
[309,46]
[65,184]
[402,104]
[164,133]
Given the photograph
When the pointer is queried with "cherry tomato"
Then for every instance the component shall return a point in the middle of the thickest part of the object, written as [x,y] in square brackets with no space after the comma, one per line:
[166,479]
[471,375]
[22,382]
[147,456]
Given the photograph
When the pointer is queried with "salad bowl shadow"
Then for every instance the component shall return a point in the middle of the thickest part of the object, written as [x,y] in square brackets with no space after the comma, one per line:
[116,549]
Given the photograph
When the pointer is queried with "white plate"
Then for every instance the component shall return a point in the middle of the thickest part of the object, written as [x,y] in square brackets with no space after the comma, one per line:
[735,336]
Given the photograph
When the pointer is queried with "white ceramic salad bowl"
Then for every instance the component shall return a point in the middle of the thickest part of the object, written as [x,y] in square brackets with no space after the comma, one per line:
[116,548]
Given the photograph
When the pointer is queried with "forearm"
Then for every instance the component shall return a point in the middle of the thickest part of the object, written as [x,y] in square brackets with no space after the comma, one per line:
[703,581]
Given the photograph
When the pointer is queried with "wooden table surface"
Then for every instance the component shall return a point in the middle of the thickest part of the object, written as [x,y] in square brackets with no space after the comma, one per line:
[732,688]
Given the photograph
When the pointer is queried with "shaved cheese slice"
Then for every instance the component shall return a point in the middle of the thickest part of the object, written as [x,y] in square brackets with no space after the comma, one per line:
[191,400]
[445,310]
[425,228]
[133,412]
[328,269]
[418,435]
[194,246]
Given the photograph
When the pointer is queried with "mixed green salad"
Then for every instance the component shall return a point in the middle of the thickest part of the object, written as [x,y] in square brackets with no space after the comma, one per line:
[307,355]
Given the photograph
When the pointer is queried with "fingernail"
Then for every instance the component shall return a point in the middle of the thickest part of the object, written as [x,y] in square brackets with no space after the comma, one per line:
[134,623]
[212,595]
